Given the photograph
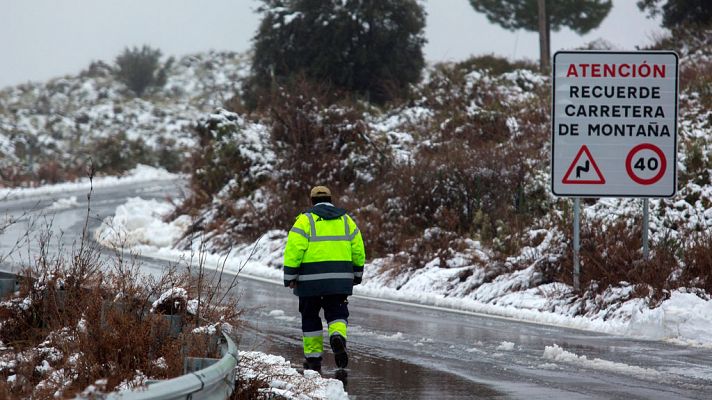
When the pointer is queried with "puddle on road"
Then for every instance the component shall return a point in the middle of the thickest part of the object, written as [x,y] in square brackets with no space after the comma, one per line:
[373,377]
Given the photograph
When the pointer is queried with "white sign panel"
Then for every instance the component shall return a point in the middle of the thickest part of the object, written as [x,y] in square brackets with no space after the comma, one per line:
[614,124]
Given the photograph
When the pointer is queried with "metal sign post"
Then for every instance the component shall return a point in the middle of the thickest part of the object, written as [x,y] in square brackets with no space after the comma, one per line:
[577,244]
[646,211]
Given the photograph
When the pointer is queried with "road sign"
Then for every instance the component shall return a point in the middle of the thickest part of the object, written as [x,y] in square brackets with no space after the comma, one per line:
[646,169]
[614,124]
[584,170]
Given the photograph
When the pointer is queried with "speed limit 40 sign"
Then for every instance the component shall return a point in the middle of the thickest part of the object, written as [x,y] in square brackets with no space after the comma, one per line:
[614,124]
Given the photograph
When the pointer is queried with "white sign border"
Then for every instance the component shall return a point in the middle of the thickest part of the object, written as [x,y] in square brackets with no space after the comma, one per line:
[553,125]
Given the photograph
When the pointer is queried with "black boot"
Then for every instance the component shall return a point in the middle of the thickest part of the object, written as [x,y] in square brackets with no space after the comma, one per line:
[338,345]
[313,363]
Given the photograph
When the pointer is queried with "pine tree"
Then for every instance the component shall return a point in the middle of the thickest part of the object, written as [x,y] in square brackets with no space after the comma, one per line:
[581,16]
[370,47]
[679,12]
[140,69]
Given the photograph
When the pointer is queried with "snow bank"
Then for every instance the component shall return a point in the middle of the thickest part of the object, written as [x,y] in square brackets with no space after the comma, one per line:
[139,222]
[506,346]
[556,353]
[142,173]
[63,204]
[684,318]
[285,381]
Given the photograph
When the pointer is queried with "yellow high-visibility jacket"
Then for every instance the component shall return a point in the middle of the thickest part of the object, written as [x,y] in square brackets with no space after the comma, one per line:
[325,253]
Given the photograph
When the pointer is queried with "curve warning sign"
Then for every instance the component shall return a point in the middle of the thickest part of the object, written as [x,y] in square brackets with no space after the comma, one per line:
[584,170]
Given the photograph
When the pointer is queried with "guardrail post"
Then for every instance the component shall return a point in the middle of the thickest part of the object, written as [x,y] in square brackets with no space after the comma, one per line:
[8,287]
[9,283]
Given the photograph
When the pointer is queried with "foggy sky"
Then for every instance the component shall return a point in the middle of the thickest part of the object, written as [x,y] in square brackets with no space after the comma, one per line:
[42,39]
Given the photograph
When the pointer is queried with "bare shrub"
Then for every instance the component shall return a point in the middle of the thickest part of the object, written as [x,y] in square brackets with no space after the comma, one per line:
[471,175]
[314,138]
[465,107]
[611,256]
[50,172]
[697,259]
[319,140]
[13,175]
[83,318]
[224,171]
[695,78]
[249,389]
[495,65]
[117,153]
[697,163]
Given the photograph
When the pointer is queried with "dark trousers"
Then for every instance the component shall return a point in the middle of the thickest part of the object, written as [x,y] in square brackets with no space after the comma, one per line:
[335,308]
[336,312]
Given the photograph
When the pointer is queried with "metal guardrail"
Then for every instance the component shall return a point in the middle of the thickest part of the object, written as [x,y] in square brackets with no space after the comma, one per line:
[212,383]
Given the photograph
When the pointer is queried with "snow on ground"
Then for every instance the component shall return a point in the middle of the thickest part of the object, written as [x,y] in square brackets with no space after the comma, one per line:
[506,346]
[280,315]
[141,173]
[557,354]
[143,219]
[683,319]
[286,382]
[64,204]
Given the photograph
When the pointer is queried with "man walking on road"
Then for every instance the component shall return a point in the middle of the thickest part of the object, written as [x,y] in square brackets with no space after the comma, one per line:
[323,260]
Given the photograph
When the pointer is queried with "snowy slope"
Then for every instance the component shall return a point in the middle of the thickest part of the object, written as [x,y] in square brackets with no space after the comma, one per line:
[70,119]
[685,318]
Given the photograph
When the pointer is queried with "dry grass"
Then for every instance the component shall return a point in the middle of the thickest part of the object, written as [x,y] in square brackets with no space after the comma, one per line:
[611,256]
[102,325]
[470,177]
[697,259]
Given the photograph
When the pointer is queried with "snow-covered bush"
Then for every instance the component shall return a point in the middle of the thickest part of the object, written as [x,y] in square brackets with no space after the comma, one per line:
[250,176]
[470,172]
[321,140]
[232,150]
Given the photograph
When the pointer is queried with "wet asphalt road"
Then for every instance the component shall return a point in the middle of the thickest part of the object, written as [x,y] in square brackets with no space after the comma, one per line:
[404,352]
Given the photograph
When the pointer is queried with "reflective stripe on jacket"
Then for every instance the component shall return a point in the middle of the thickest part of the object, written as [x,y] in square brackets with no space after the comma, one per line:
[324,255]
